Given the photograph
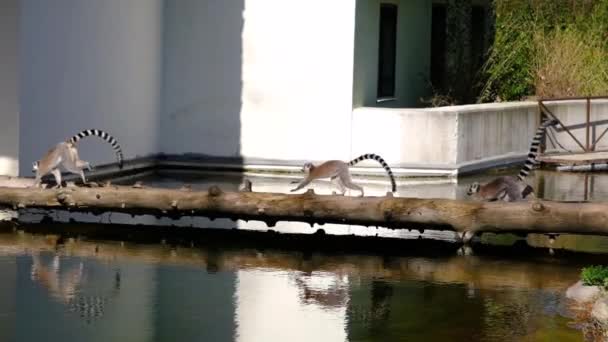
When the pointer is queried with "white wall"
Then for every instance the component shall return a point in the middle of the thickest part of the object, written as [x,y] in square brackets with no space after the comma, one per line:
[9,85]
[413,52]
[489,130]
[297,78]
[445,138]
[89,64]
[405,136]
[258,78]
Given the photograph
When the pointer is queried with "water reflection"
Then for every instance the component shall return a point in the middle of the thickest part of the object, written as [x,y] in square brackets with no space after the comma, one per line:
[98,291]
[72,285]
[271,306]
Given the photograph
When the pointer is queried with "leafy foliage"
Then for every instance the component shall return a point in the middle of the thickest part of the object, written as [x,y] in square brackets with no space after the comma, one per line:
[548,48]
[595,276]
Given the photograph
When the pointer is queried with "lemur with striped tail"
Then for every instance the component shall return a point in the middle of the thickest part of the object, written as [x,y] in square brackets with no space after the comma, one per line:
[508,188]
[337,171]
[65,154]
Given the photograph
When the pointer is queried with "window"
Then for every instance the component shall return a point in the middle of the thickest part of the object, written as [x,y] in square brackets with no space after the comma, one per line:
[438,46]
[478,17]
[387,51]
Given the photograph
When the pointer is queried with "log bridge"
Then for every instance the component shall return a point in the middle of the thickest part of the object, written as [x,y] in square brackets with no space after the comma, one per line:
[463,216]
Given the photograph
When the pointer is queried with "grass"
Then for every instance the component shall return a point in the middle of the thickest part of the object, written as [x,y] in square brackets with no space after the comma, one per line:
[547,48]
[596,275]
[569,63]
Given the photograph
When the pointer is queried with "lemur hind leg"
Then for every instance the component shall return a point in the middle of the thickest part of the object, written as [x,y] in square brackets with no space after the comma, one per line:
[335,180]
[57,174]
[347,182]
[78,168]
[81,165]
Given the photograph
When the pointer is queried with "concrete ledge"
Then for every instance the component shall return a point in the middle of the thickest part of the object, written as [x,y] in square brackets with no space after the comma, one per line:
[282,168]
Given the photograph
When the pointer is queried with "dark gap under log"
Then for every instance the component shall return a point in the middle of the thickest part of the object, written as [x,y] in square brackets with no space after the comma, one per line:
[239,240]
[392,212]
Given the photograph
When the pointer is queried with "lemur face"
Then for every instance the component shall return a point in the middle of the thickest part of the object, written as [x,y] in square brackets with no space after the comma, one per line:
[473,189]
[307,167]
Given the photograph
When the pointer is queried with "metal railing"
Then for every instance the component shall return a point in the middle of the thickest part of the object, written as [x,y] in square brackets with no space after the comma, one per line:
[590,141]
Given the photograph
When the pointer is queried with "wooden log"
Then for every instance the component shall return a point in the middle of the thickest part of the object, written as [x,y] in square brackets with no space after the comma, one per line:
[395,212]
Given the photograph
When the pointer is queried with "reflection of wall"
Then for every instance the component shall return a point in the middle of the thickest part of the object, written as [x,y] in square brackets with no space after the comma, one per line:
[89,64]
[570,186]
[194,305]
[9,98]
[8,292]
[269,309]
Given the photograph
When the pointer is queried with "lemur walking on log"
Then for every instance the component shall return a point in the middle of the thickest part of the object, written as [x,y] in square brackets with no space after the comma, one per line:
[508,188]
[65,154]
[339,174]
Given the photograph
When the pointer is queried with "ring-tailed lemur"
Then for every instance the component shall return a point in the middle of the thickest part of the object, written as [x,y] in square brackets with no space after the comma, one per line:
[65,154]
[337,171]
[508,188]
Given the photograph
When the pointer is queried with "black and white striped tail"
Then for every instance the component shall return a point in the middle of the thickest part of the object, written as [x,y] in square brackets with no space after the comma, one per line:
[105,136]
[379,160]
[534,147]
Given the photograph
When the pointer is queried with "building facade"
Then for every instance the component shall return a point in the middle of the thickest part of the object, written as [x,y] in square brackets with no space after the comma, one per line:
[262,82]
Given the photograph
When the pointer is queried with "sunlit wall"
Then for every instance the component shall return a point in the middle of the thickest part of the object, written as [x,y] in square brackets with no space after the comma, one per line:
[258,79]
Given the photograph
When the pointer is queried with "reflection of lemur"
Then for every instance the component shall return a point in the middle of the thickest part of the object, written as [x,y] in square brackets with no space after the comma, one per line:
[335,295]
[337,171]
[67,287]
[65,154]
[508,188]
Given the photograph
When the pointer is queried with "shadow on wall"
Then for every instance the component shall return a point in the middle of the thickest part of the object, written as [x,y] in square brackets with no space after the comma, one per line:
[9,98]
[202,81]
[202,78]
[103,64]
[89,64]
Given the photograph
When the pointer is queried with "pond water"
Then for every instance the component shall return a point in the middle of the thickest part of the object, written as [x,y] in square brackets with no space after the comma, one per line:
[85,290]
[89,290]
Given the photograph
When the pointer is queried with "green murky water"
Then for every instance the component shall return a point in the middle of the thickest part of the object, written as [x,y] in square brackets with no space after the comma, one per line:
[110,291]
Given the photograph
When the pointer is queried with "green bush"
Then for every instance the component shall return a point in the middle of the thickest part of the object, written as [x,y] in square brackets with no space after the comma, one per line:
[595,276]
[547,48]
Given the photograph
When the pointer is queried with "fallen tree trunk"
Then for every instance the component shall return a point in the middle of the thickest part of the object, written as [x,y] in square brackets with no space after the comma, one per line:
[409,213]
